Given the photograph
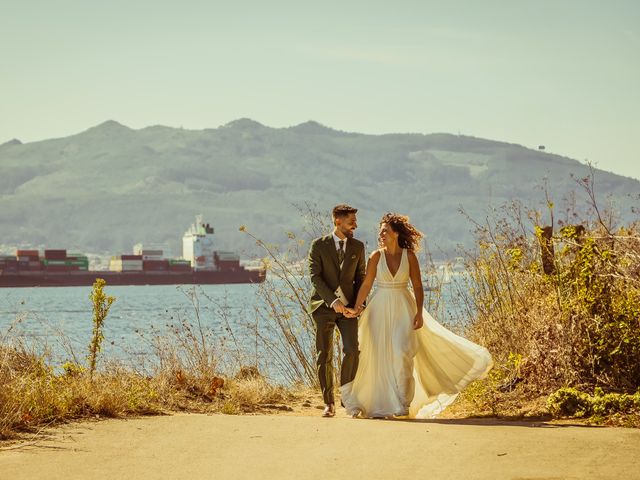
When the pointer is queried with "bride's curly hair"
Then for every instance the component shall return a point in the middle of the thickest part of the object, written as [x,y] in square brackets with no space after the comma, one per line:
[408,236]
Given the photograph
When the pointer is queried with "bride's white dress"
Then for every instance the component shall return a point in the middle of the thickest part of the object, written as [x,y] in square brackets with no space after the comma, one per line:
[403,371]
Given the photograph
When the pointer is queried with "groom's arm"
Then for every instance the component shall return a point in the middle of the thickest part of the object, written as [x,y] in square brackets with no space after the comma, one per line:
[315,270]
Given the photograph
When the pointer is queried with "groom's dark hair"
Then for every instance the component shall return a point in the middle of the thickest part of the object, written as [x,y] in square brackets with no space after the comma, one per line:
[343,210]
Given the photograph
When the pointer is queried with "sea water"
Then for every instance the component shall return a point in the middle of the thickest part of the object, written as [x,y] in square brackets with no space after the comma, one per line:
[60,318]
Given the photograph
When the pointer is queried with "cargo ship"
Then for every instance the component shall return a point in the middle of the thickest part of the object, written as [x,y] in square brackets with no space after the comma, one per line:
[200,264]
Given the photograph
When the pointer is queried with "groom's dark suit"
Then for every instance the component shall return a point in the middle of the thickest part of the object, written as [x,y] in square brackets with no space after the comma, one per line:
[326,276]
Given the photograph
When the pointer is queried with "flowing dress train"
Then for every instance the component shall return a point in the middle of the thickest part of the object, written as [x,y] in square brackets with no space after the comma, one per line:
[403,371]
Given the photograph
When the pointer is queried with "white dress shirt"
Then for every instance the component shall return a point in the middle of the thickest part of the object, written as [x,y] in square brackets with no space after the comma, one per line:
[336,240]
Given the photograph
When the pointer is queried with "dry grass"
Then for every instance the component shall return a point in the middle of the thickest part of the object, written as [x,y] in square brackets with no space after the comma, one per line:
[186,374]
[33,394]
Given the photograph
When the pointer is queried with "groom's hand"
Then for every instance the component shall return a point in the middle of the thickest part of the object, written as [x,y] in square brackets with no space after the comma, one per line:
[350,313]
[338,307]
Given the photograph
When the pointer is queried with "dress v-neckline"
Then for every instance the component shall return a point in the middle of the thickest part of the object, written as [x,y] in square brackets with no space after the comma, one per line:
[393,275]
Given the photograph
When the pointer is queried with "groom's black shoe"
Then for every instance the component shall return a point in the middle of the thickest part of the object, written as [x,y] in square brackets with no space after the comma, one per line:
[329,410]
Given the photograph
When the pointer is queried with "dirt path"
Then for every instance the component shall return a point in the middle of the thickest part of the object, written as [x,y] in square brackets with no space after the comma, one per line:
[283,446]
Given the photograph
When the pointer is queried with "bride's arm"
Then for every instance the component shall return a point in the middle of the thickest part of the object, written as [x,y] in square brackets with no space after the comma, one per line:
[367,283]
[416,282]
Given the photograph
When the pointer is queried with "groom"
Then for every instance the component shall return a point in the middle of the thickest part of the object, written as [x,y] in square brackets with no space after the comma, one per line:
[337,268]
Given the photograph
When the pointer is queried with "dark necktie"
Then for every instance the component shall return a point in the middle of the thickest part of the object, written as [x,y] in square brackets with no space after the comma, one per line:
[340,252]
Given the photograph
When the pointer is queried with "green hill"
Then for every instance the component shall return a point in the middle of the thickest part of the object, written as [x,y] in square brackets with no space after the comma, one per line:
[110,186]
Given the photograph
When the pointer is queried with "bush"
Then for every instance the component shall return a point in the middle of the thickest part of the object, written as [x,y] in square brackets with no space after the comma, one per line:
[566,304]
[570,402]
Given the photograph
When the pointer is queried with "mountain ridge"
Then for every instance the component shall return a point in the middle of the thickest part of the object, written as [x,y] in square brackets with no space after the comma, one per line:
[111,186]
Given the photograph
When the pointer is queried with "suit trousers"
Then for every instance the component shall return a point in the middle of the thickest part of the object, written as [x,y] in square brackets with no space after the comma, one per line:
[326,319]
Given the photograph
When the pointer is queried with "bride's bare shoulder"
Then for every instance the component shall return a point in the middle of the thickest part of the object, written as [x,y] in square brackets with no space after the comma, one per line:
[375,255]
[413,260]
[412,255]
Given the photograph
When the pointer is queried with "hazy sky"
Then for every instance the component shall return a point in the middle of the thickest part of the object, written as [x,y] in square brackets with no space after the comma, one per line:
[565,74]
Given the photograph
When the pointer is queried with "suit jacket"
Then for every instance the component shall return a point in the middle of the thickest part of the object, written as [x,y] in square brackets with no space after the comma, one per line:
[326,274]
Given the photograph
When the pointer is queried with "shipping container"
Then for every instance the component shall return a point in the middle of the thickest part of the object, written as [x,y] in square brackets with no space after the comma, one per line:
[48,261]
[152,252]
[65,263]
[28,253]
[125,265]
[56,268]
[55,254]
[155,264]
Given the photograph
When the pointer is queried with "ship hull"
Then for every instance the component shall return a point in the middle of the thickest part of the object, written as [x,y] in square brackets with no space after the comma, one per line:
[87,278]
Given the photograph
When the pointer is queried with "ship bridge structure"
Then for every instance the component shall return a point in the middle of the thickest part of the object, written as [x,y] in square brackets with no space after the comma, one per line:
[198,245]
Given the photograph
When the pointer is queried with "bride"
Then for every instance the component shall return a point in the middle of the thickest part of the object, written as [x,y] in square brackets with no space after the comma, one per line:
[410,365]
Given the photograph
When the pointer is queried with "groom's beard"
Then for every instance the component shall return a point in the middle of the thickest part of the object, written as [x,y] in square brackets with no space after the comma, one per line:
[348,233]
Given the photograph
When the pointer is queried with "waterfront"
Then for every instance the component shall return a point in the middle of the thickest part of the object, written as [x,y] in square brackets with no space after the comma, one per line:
[59,318]
[45,313]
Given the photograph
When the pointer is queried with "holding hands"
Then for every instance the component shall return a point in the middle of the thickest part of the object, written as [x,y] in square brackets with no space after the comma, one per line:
[348,312]
[339,307]
[353,312]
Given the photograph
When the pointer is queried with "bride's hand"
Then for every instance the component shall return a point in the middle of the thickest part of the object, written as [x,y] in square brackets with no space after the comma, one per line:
[350,313]
[418,321]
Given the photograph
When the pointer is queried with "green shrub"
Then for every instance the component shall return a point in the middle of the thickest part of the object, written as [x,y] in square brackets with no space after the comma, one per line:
[571,402]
